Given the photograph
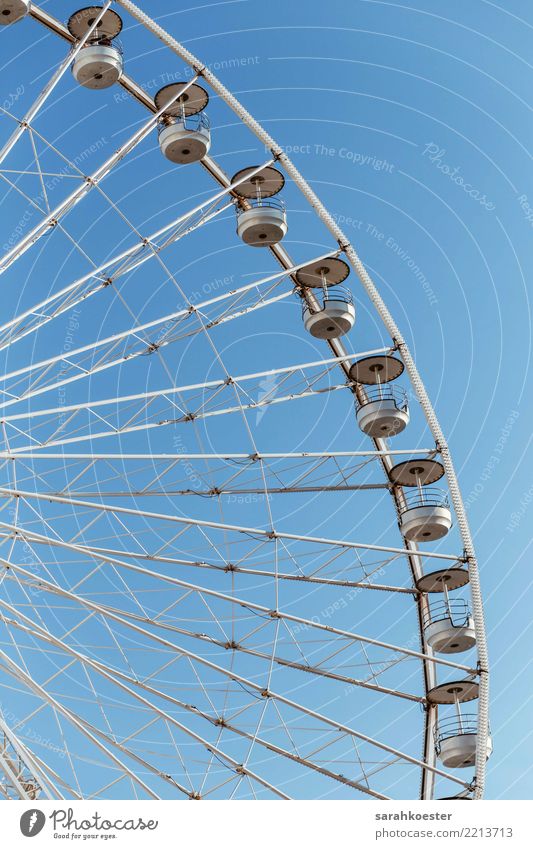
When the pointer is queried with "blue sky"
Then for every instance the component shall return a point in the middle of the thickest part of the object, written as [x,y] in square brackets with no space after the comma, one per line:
[414,128]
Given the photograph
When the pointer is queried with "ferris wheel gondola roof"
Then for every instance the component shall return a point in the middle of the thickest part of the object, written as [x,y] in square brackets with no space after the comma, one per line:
[192,101]
[109,26]
[418,472]
[265,183]
[329,271]
[377,369]
[452,691]
[441,579]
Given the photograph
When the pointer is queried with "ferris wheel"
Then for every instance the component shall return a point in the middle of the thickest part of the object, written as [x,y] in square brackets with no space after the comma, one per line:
[207,592]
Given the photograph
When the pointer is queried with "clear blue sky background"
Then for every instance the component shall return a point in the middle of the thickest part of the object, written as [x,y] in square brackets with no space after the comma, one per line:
[413,123]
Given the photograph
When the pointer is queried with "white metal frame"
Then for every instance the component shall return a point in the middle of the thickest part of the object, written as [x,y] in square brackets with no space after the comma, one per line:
[146,249]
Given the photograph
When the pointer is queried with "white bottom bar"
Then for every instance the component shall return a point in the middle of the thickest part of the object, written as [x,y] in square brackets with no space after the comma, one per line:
[231,825]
